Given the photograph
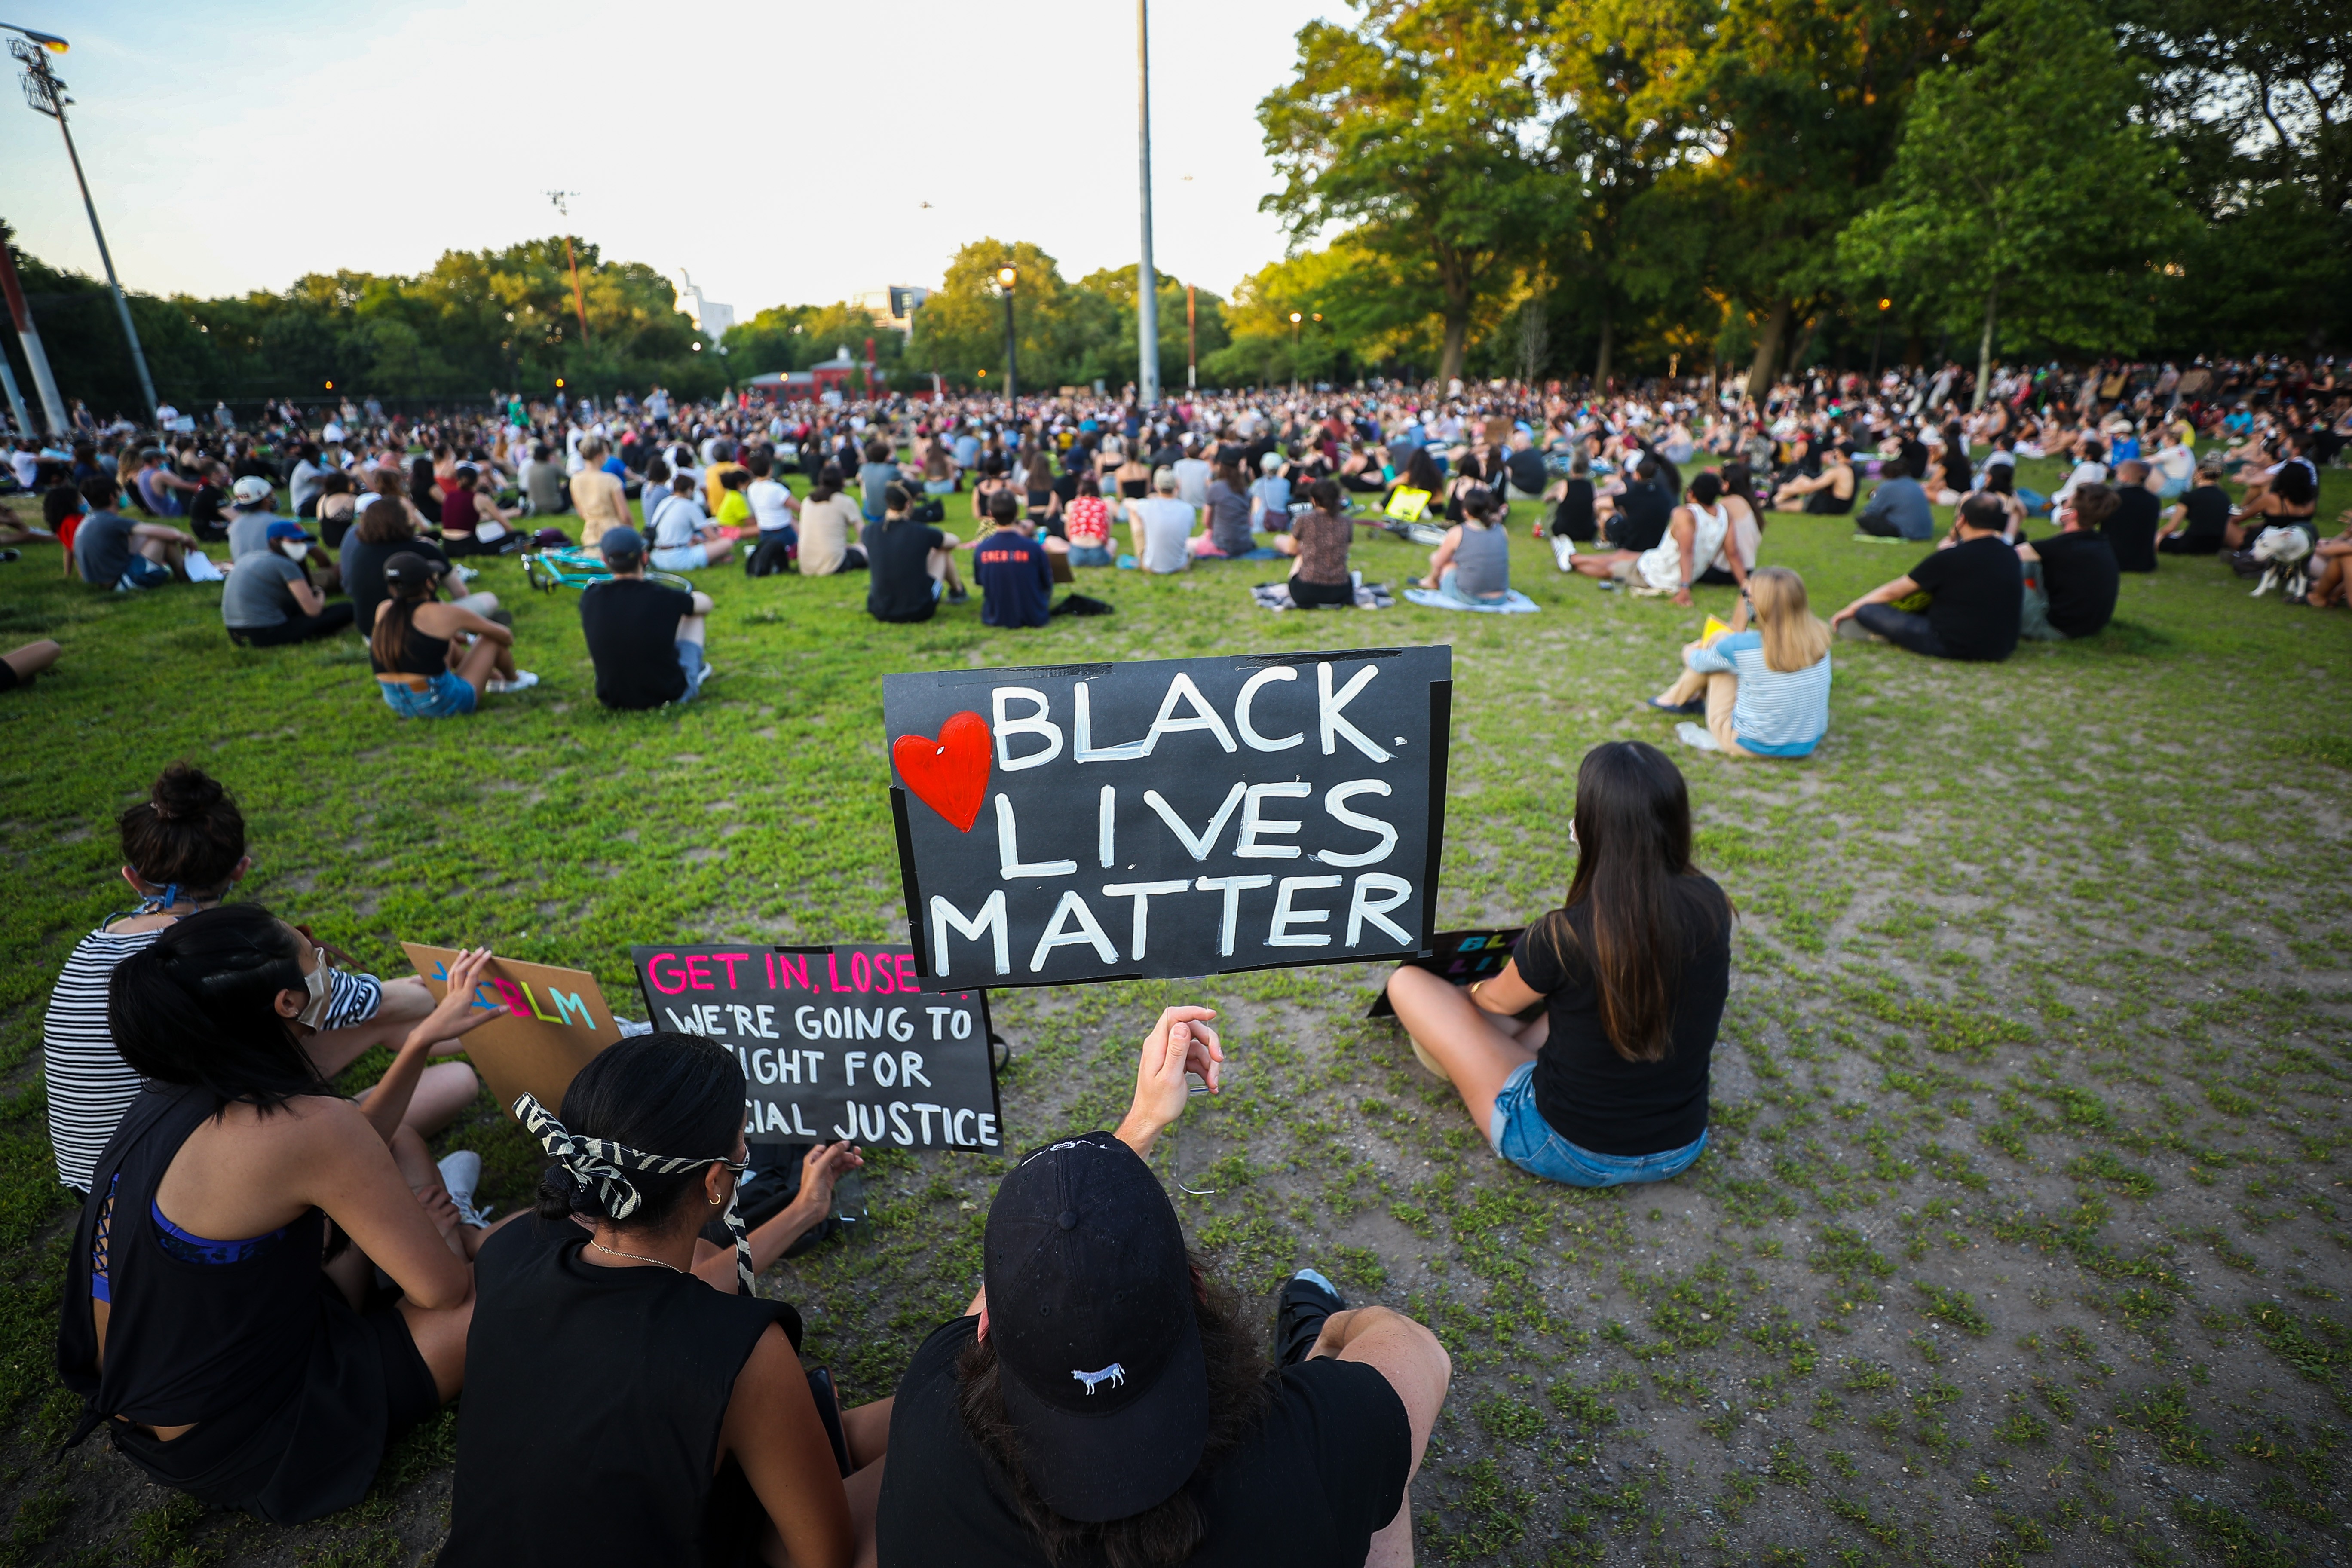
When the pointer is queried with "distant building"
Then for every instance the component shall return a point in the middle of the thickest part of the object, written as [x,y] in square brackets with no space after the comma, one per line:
[710,318]
[893,307]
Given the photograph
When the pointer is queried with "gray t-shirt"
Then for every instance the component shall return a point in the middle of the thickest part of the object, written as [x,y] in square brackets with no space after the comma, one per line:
[1482,561]
[1193,481]
[545,483]
[248,531]
[255,595]
[1904,503]
[1229,520]
[102,548]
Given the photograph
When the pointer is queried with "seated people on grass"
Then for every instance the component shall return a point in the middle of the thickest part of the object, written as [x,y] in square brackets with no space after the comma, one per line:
[2331,569]
[829,520]
[601,499]
[386,529]
[1609,1084]
[268,602]
[1319,542]
[776,513]
[1270,495]
[433,661]
[1638,515]
[911,564]
[1898,508]
[113,552]
[647,638]
[1975,590]
[2291,500]
[1472,564]
[2131,523]
[1162,526]
[1225,518]
[184,850]
[1086,521]
[1016,580]
[1106,1399]
[1575,521]
[2090,468]
[683,537]
[2198,522]
[338,508]
[241,1372]
[1829,493]
[1765,692]
[19,665]
[613,1349]
[1694,542]
[253,507]
[2071,579]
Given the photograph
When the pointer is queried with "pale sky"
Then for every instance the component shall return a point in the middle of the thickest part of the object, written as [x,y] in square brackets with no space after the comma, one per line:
[779,153]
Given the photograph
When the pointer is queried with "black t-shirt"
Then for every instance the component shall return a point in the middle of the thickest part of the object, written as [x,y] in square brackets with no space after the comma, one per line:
[2130,530]
[1527,468]
[205,511]
[1591,1095]
[1643,513]
[2207,512]
[632,631]
[1979,589]
[2078,575]
[899,555]
[1325,1473]
[363,567]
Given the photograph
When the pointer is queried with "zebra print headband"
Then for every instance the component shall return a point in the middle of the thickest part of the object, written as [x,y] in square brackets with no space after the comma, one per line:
[602,1164]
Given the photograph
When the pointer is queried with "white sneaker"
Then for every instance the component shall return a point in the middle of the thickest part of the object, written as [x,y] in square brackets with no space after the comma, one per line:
[1563,551]
[461,1173]
[523,681]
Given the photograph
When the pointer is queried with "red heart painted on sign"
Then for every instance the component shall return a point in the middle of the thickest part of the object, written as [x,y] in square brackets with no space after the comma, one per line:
[949,775]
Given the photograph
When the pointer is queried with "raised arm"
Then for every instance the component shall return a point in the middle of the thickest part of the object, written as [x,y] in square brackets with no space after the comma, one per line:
[1180,1042]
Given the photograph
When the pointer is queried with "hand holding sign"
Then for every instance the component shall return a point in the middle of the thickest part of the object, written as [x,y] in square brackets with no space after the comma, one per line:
[821,1168]
[456,1014]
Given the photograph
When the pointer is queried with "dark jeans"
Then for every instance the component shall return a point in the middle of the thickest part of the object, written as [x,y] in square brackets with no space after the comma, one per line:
[294,629]
[1877,526]
[1903,629]
[1306,595]
[2183,544]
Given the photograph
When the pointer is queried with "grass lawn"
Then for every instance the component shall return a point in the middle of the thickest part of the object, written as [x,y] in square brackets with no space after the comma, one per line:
[2025,1229]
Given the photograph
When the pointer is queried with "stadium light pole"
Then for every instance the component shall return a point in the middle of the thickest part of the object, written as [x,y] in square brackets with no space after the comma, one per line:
[37,358]
[46,94]
[1006,277]
[1147,280]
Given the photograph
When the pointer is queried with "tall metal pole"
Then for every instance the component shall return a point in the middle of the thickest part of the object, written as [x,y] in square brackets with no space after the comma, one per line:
[1147,281]
[1192,342]
[1012,364]
[37,358]
[48,95]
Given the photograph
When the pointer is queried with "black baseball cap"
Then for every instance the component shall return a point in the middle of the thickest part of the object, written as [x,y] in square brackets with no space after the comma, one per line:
[408,568]
[1091,1299]
[621,543]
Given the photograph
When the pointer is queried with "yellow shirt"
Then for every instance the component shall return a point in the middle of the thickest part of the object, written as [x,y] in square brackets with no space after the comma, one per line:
[714,493]
[734,511]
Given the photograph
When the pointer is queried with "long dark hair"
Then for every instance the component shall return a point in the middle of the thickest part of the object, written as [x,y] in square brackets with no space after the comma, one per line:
[1421,472]
[662,1093]
[1740,479]
[187,831]
[389,639]
[385,522]
[1633,829]
[1159,1536]
[828,483]
[199,1007]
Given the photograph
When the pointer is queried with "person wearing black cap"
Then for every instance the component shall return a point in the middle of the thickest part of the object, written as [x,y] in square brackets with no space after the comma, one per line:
[1102,1399]
[433,661]
[647,638]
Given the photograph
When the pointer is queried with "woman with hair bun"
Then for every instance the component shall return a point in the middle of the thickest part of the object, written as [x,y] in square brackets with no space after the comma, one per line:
[213,1317]
[628,1399]
[183,851]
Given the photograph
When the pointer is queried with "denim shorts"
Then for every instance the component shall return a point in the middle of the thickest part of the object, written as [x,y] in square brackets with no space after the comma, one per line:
[1089,556]
[681,558]
[1521,1135]
[446,696]
[143,574]
[690,659]
[938,487]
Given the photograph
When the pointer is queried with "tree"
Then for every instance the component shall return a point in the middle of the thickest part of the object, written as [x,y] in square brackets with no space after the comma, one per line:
[1403,131]
[959,331]
[1805,101]
[2023,183]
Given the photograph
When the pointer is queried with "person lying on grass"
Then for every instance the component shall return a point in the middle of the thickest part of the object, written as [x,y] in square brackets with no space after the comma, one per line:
[1607,1085]
[183,851]
[628,1397]
[248,1371]
[1103,1399]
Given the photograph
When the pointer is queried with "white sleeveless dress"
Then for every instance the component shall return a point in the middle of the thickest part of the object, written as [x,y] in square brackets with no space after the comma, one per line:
[1661,567]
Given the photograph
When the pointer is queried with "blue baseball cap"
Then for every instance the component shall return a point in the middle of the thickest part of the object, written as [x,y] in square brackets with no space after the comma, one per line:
[287,528]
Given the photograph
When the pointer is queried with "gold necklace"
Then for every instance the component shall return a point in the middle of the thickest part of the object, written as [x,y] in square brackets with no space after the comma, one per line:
[635,1256]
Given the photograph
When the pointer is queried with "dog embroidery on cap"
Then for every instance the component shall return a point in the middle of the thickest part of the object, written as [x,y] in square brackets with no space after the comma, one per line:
[1115,1373]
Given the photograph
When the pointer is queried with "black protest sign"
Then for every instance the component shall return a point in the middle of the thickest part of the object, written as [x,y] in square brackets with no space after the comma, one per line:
[836,1042]
[1170,818]
[1463,957]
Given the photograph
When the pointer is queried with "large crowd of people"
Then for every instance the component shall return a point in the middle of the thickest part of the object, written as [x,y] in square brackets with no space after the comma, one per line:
[270,1280]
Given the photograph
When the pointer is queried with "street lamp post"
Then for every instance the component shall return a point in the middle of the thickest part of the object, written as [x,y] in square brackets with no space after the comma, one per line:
[1147,281]
[46,94]
[1006,277]
[1295,319]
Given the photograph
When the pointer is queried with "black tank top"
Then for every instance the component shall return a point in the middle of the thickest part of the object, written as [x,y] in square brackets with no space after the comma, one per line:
[419,655]
[593,1398]
[284,1383]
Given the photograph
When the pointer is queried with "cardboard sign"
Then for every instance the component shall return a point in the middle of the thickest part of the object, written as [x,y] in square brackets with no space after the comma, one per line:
[556,1020]
[836,1042]
[1464,957]
[1172,817]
